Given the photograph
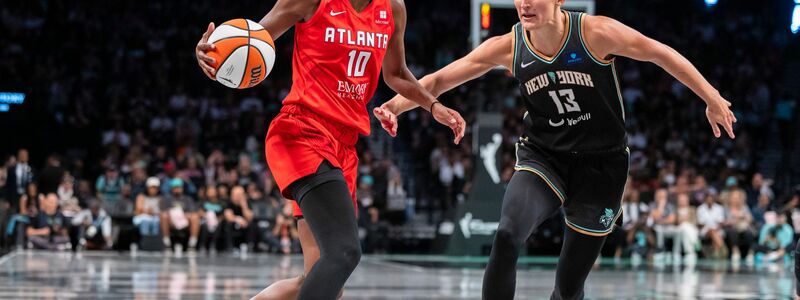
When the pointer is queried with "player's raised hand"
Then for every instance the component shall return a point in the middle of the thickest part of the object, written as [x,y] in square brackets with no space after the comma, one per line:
[387,118]
[449,118]
[200,52]
[719,113]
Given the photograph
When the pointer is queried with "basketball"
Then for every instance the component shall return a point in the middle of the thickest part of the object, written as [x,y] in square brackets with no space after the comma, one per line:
[244,53]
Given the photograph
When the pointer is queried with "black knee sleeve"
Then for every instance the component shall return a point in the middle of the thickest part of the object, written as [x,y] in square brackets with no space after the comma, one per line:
[328,210]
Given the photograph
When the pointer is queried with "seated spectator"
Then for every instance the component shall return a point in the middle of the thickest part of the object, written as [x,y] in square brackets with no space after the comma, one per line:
[738,225]
[179,215]
[94,227]
[29,202]
[662,216]
[775,239]
[123,206]
[67,198]
[265,211]
[212,213]
[47,230]
[687,226]
[710,217]
[238,217]
[376,232]
[109,186]
[148,210]
[285,230]
[763,205]
[28,205]
[634,231]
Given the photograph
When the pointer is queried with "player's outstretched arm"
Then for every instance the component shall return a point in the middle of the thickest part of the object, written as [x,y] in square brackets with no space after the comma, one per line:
[278,20]
[607,37]
[399,78]
[495,51]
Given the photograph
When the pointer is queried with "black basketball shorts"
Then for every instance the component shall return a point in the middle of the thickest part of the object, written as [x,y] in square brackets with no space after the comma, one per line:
[588,184]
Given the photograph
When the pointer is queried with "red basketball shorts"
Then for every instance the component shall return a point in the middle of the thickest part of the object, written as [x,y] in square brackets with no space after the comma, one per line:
[298,141]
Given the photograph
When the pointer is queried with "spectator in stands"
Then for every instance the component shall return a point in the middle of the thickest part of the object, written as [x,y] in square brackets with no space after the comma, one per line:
[48,229]
[67,198]
[662,216]
[179,215]
[7,165]
[192,172]
[244,172]
[94,227]
[212,214]
[687,226]
[738,225]
[699,190]
[634,232]
[376,238]
[711,216]
[28,205]
[51,175]
[148,210]
[286,231]
[109,186]
[775,239]
[395,198]
[763,206]
[20,175]
[138,181]
[124,206]
[265,209]
[238,217]
[364,194]
[224,193]
[29,202]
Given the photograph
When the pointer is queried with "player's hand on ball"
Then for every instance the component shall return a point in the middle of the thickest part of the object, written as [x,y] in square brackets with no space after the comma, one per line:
[387,118]
[719,113]
[200,52]
[449,118]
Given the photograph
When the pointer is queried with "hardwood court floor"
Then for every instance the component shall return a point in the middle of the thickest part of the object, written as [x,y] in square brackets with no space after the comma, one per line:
[112,275]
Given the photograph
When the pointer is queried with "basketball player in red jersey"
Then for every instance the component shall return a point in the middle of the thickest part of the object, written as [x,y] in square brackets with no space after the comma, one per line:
[339,49]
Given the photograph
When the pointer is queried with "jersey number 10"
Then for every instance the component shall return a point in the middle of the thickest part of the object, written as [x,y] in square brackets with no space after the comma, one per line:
[358,63]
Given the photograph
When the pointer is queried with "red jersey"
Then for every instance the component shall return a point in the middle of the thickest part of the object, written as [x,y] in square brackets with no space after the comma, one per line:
[337,59]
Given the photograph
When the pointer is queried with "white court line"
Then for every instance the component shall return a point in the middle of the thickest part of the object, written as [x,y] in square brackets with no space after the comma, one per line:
[378,261]
[8,256]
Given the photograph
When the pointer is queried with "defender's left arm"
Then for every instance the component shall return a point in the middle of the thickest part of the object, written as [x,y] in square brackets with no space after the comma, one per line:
[606,37]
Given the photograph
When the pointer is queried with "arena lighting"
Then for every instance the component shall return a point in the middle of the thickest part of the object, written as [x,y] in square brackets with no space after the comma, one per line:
[710,3]
[795,27]
[11,98]
[485,17]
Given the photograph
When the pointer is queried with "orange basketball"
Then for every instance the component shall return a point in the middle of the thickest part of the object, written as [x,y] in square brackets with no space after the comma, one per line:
[244,53]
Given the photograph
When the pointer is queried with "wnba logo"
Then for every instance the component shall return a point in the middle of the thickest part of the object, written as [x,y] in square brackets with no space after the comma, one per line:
[255,75]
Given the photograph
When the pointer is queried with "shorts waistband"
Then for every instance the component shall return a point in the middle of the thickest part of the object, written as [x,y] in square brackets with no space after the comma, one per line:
[342,133]
[581,153]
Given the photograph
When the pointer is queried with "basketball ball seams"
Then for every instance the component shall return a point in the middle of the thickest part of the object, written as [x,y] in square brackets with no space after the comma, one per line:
[263,61]
[246,55]
[226,59]
[229,38]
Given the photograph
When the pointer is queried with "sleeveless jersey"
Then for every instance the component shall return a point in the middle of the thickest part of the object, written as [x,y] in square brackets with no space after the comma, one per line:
[573,100]
[337,59]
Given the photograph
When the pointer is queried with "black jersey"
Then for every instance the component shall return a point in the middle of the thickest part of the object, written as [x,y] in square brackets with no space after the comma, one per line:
[573,101]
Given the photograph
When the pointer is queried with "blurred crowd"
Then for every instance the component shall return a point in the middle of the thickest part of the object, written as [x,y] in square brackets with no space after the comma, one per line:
[131,145]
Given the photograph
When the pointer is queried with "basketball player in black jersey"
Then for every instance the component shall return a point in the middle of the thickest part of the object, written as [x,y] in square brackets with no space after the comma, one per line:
[573,152]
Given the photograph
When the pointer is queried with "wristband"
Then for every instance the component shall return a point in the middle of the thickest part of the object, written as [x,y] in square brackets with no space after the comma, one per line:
[432,104]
